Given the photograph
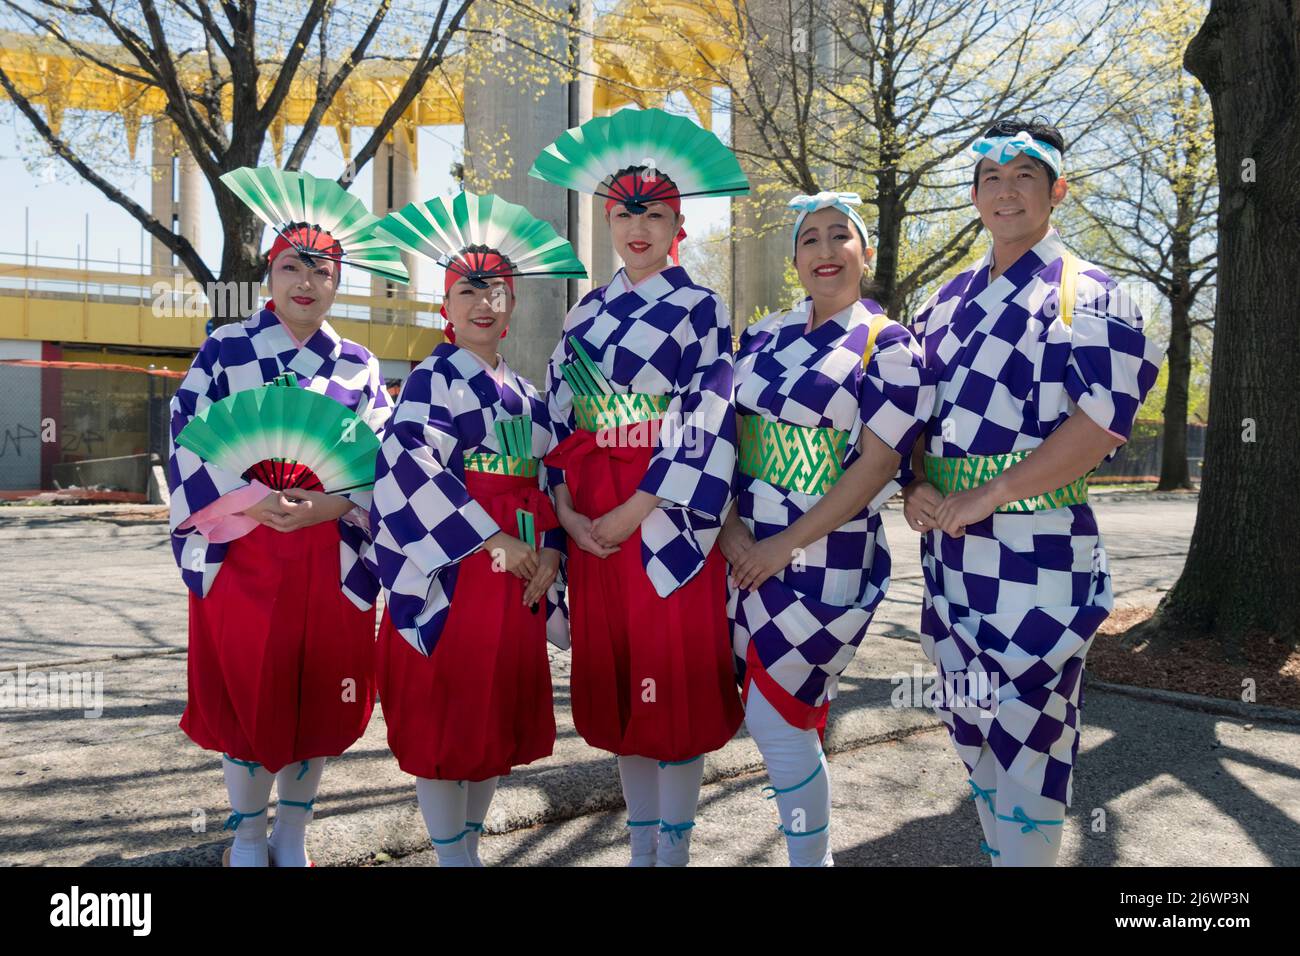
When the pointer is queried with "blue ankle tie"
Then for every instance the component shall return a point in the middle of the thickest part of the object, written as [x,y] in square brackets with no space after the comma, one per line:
[298,803]
[1028,825]
[981,794]
[985,848]
[236,818]
[675,830]
[803,783]
[677,763]
[456,839]
[802,833]
[248,765]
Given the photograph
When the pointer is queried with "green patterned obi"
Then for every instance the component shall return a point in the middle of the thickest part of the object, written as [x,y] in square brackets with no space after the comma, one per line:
[501,464]
[593,413]
[796,457]
[971,471]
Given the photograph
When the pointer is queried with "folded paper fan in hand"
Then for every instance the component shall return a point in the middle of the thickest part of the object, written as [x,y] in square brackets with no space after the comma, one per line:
[285,438]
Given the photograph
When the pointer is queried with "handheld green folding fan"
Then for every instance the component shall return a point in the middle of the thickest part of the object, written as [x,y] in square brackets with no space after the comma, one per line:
[284,200]
[583,375]
[285,437]
[590,157]
[445,229]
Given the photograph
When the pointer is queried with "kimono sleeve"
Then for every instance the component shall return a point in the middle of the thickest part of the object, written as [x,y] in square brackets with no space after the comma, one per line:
[895,396]
[193,483]
[1112,364]
[422,517]
[559,410]
[543,435]
[375,408]
[695,461]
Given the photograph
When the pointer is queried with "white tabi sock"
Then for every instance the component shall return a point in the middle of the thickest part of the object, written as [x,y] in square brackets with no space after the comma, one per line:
[800,780]
[443,804]
[640,779]
[1029,825]
[296,786]
[249,786]
[679,796]
[477,802]
[983,790]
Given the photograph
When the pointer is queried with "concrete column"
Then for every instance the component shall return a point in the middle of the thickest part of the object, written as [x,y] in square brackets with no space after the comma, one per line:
[176,193]
[760,248]
[506,125]
[396,182]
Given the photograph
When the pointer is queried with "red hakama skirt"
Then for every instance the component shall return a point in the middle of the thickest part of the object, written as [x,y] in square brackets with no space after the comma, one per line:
[281,662]
[651,676]
[480,704]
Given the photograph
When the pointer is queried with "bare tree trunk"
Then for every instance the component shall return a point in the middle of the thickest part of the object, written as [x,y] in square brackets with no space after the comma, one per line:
[1239,582]
[1173,458]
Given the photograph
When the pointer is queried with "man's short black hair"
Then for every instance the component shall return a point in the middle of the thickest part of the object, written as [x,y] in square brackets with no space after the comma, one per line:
[1038,128]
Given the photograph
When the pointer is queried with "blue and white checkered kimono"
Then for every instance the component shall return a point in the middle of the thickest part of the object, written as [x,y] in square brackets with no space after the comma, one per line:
[247,355]
[424,519]
[665,336]
[1015,602]
[806,622]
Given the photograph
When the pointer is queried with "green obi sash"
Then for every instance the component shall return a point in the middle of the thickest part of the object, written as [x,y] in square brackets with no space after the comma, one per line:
[592,413]
[796,457]
[501,464]
[971,471]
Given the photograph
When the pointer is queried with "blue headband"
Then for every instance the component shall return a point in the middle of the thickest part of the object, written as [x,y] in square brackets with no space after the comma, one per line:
[844,202]
[1002,149]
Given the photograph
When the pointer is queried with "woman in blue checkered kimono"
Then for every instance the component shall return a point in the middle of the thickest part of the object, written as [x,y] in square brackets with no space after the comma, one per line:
[1040,365]
[282,619]
[830,397]
[642,499]
[459,514]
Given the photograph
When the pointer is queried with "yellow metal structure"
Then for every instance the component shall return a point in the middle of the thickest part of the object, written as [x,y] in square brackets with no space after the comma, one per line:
[140,311]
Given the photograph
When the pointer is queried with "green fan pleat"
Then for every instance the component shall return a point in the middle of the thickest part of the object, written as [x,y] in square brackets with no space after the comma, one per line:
[280,198]
[584,157]
[525,521]
[441,229]
[583,375]
[291,424]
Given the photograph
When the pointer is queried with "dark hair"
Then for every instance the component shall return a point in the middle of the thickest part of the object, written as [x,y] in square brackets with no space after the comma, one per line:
[1038,128]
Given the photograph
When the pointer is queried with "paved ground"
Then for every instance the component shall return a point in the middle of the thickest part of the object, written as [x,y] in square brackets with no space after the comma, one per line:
[1175,785]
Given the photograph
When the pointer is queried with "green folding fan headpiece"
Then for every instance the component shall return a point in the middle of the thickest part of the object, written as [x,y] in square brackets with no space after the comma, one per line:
[302,208]
[480,236]
[671,156]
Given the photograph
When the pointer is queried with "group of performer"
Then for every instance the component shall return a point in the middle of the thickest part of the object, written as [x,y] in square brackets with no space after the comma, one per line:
[701,523]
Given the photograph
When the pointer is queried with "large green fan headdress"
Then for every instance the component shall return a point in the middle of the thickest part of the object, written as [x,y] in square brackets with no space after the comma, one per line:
[641,156]
[475,236]
[307,212]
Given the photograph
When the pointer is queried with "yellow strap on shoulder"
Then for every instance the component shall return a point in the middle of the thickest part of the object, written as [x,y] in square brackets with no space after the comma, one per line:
[1069,279]
[877,323]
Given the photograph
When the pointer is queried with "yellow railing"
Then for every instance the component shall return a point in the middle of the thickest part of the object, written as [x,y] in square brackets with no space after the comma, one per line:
[51,303]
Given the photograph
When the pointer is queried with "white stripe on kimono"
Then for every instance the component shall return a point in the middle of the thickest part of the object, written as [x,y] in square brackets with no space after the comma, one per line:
[247,355]
[664,336]
[1016,600]
[807,620]
[424,520]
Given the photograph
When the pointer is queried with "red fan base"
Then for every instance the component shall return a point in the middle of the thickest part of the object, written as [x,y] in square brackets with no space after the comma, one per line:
[281,473]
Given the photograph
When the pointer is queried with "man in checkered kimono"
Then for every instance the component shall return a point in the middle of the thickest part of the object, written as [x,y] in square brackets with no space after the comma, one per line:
[282,621]
[1041,364]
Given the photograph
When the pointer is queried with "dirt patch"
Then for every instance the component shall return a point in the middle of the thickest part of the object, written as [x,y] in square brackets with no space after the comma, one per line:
[1194,666]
